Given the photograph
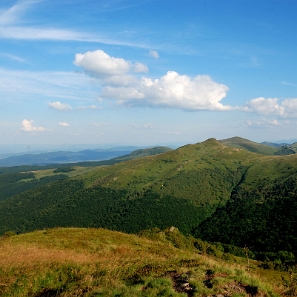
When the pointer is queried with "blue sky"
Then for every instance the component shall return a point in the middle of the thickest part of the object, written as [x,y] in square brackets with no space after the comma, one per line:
[146,72]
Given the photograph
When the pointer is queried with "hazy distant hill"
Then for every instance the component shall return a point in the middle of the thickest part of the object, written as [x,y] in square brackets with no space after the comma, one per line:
[273,144]
[61,157]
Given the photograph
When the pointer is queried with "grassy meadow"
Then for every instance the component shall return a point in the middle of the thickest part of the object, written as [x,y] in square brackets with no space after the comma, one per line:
[99,262]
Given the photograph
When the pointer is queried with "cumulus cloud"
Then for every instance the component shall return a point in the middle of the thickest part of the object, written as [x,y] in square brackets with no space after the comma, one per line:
[63,124]
[271,106]
[139,67]
[172,90]
[28,126]
[261,105]
[59,106]
[290,107]
[101,65]
[154,54]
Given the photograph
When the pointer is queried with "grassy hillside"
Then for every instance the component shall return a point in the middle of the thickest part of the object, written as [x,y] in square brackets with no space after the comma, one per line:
[98,262]
[181,188]
[15,180]
[251,146]
[265,148]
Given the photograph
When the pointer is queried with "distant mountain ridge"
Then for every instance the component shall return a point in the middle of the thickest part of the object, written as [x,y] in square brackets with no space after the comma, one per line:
[62,157]
[89,155]
[265,148]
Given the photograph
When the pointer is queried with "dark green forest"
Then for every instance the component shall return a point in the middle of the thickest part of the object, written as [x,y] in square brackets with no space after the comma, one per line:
[264,218]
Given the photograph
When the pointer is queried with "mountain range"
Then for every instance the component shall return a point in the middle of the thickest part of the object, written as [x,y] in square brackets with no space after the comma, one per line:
[214,190]
[64,157]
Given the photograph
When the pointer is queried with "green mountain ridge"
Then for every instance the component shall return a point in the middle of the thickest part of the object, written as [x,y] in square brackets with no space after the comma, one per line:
[203,189]
[265,148]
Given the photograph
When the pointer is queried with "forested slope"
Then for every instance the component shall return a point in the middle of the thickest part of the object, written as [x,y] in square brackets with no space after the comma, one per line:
[263,216]
[180,188]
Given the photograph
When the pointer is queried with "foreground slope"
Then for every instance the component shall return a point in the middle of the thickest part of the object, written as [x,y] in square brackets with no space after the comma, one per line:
[98,262]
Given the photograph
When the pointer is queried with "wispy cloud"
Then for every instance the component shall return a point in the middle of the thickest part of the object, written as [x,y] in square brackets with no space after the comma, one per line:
[149,125]
[14,14]
[98,124]
[14,25]
[154,54]
[13,57]
[93,107]
[59,106]
[263,123]
[285,83]
[145,126]
[51,84]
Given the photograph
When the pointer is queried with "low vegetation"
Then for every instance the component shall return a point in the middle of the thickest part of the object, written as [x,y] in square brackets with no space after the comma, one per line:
[98,262]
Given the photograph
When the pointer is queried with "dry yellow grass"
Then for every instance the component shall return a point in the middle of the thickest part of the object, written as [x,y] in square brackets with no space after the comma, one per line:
[86,262]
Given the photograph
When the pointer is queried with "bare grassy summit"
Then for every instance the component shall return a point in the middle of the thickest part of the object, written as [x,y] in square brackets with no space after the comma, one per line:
[99,262]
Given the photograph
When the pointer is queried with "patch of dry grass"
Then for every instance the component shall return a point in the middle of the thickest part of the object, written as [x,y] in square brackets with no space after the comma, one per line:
[99,262]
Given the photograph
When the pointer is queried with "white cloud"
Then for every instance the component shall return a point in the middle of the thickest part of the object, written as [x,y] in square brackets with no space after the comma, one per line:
[263,122]
[89,107]
[172,90]
[154,54]
[98,124]
[100,64]
[149,125]
[14,25]
[290,107]
[261,105]
[13,57]
[59,106]
[285,83]
[50,84]
[139,67]
[27,126]
[63,124]
[112,70]
[270,106]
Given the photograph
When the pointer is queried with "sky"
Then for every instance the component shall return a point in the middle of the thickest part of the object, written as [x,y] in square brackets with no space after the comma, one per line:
[86,73]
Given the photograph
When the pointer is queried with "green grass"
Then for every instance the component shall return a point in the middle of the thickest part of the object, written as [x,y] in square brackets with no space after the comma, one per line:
[99,262]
